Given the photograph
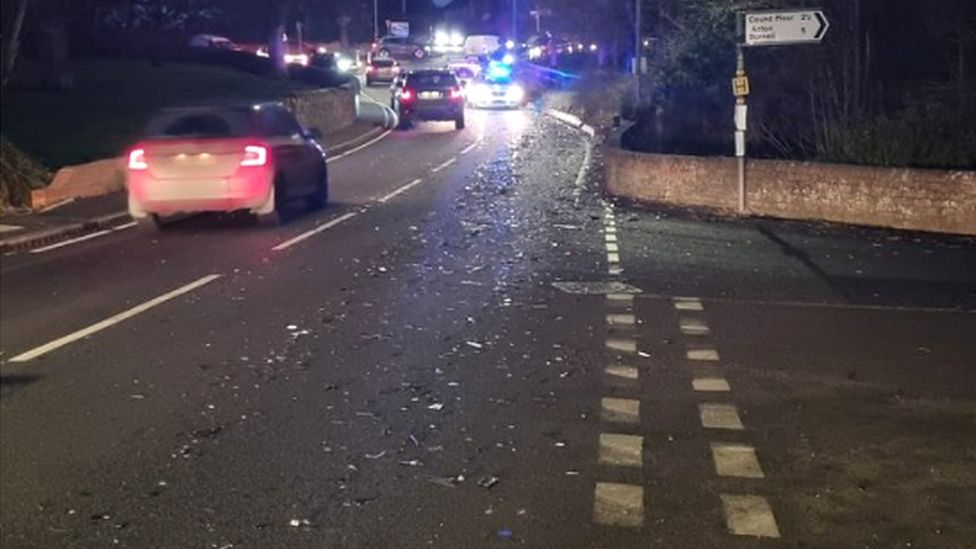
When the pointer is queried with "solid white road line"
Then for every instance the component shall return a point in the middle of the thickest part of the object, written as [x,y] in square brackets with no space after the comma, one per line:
[710,385]
[400,191]
[736,460]
[620,410]
[621,450]
[720,416]
[70,241]
[369,143]
[444,165]
[306,235]
[125,226]
[703,354]
[618,504]
[111,321]
[749,516]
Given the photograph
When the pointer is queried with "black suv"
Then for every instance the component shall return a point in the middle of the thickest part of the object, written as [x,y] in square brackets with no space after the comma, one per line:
[395,46]
[429,95]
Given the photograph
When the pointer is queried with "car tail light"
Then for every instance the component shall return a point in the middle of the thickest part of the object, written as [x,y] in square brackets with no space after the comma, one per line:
[255,155]
[137,160]
[406,94]
[371,68]
[456,93]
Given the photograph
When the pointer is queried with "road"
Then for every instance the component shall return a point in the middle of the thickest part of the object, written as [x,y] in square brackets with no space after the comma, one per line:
[472,348]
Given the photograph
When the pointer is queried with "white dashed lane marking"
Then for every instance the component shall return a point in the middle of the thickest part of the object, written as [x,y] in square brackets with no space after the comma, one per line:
[113,320]
[621,450]
[613,258]
[622,345]
[620,410]
[621,320]
[309,234]
[400,191]
[622,374]
[703,354]
[749,516]
[693,326]
[618,504]
[736,460]
[710,385]
[720,416]
[444,165]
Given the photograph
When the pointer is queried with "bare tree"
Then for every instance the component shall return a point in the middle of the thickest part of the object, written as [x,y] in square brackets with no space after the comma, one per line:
[11,45]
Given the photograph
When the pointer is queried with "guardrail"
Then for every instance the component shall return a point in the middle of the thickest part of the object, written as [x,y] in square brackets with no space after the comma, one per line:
[551,78]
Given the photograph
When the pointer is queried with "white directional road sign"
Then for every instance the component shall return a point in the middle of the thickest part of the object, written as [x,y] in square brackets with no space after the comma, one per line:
[775,28]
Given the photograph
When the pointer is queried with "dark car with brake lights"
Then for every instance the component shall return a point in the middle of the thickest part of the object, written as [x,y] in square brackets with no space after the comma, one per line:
[429,95]
[382,70]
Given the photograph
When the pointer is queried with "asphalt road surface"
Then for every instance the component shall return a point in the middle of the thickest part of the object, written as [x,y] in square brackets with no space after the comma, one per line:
[472,348]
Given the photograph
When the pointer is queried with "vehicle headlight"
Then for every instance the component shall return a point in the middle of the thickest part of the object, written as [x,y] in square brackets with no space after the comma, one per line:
[480,92]
[441,39]
[516,93]
[344,64]
[535,52]
[457,40]
[509,59]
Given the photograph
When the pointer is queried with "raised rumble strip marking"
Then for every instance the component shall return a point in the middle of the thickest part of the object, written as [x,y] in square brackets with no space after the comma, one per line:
[113,320]
[309,234]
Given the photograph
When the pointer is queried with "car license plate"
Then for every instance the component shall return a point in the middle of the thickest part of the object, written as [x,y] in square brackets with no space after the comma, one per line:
[431,95]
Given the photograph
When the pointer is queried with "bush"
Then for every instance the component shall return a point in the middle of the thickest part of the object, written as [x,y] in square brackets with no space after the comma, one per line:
[19,174]
[919,136]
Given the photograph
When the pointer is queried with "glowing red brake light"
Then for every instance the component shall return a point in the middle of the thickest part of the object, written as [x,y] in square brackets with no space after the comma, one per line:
[456,93]
[406,94]
[255,155]
[137,160]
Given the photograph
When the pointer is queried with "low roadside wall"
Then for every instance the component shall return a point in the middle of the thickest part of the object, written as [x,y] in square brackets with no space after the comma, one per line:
[914,199]
[330,110]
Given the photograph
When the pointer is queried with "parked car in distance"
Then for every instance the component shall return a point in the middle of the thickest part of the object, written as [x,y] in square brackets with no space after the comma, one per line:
[398,47]
[429,95]
[213,41]
[482,44]
[253,157]
[382,70]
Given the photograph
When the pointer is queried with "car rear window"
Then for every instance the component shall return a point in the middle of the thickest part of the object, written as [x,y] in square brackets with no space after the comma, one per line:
[432,80]
[198,124]
[383,63]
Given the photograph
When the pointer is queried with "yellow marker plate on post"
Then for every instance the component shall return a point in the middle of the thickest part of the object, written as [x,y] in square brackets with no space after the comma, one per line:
[740,86]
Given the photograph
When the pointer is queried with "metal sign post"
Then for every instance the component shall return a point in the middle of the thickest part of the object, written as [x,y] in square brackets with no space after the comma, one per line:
[766,28]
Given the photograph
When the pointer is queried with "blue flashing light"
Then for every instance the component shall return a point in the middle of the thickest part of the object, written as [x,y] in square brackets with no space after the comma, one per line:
[499,71]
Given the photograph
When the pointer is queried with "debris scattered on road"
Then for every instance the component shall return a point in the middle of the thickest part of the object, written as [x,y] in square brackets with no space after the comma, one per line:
[437,406]
[376,456]
[475,344]
[411,463]
[488,482]
[295,523]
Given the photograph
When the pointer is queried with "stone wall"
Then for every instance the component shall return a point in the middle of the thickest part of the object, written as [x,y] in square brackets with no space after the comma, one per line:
[329,110]
[915,199]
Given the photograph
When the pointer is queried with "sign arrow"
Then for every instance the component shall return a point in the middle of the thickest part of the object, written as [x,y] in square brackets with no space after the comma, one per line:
[777,28]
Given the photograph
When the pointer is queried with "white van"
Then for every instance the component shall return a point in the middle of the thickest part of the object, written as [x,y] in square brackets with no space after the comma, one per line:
[482,44]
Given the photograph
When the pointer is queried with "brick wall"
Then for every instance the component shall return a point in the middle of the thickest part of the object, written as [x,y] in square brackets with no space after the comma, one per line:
[926,200]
